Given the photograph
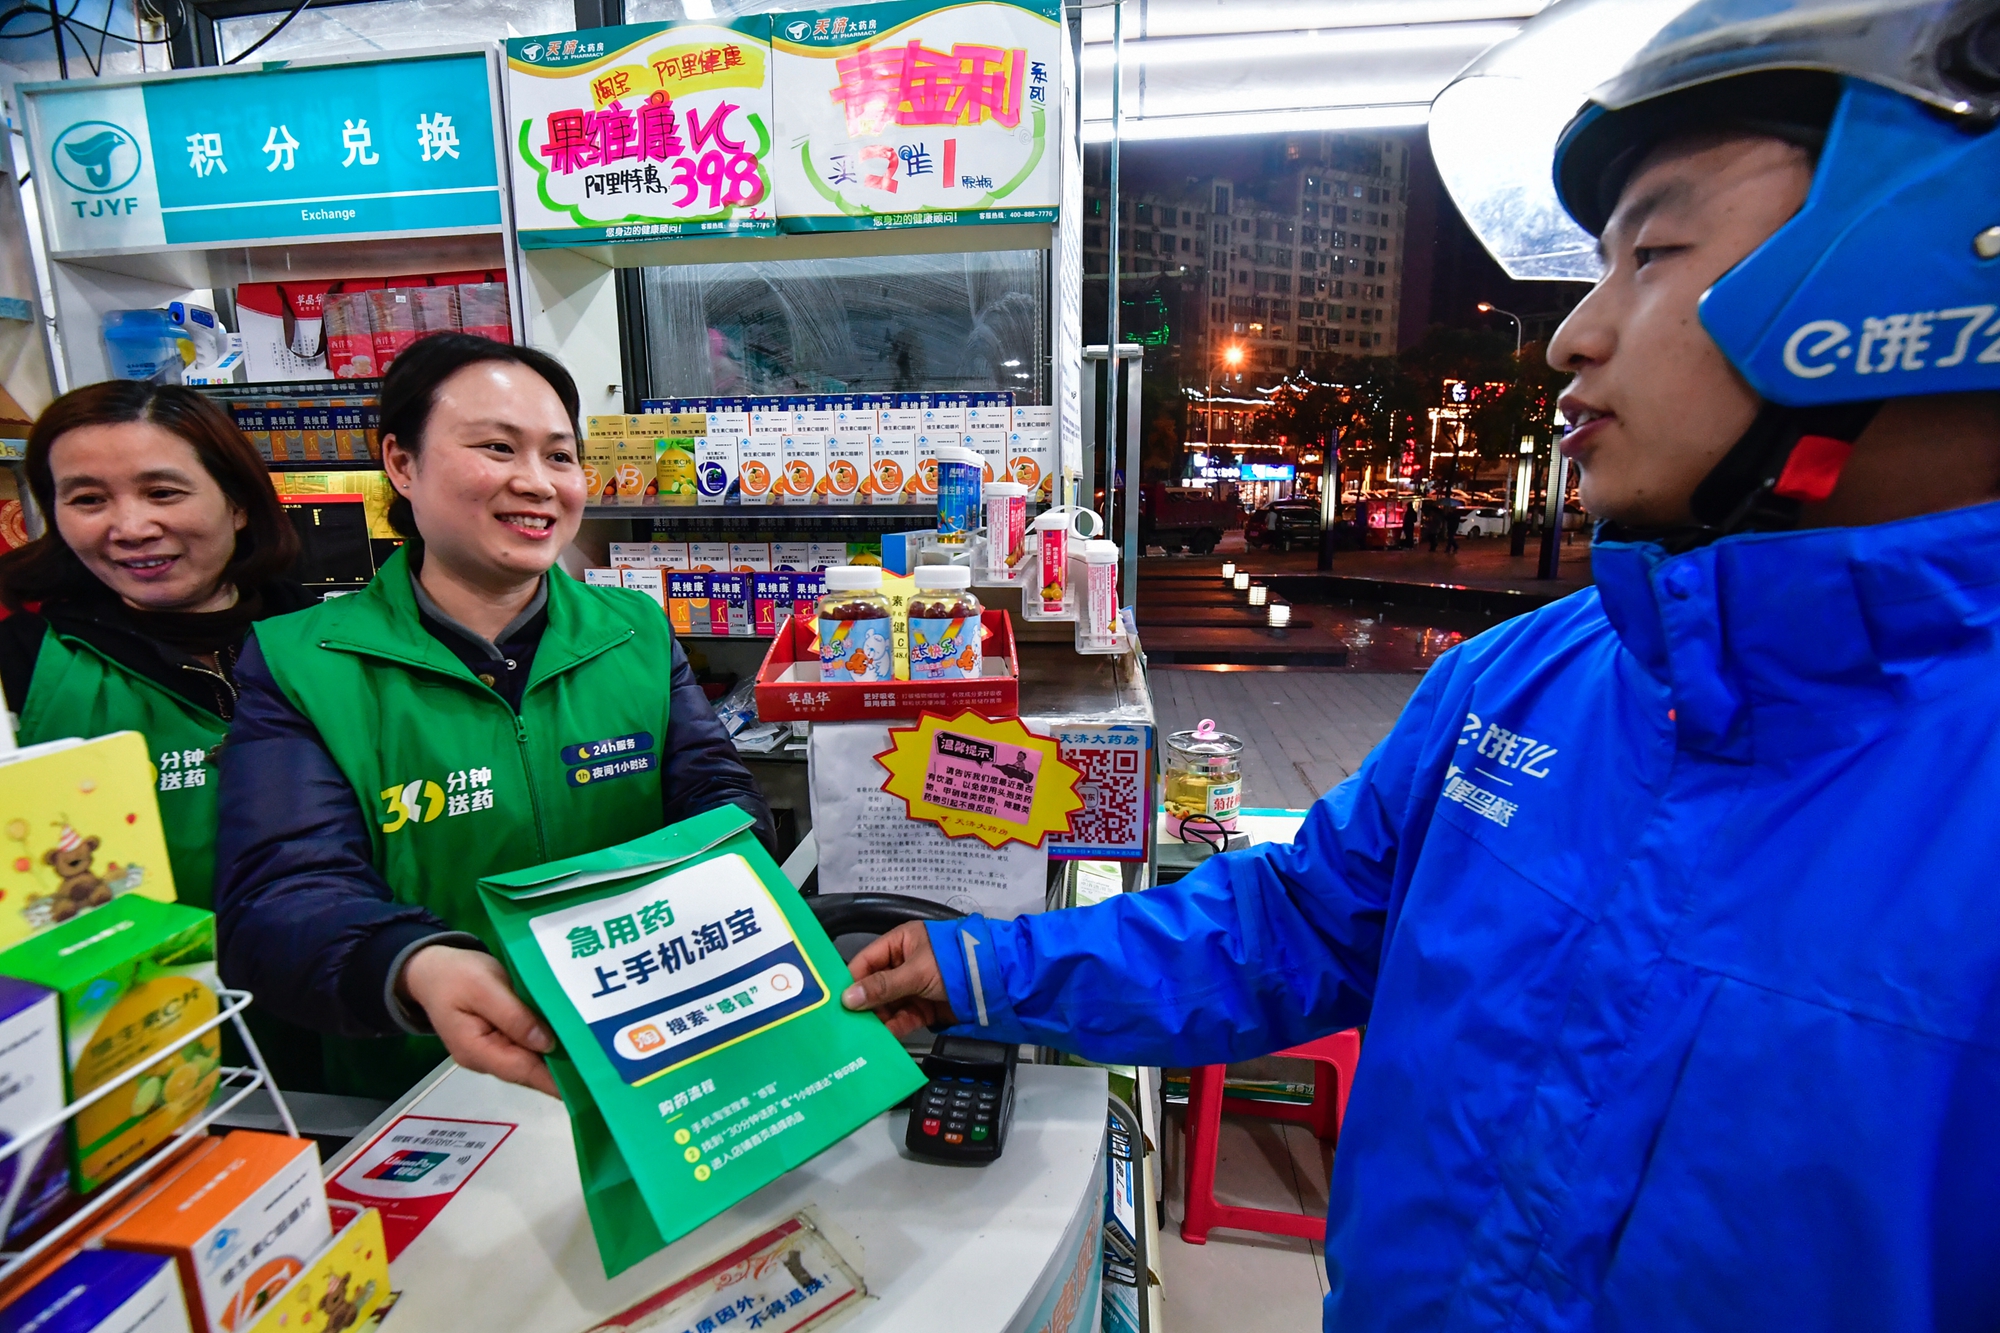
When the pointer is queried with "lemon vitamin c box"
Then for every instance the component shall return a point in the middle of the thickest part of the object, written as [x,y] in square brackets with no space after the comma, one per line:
[240,1225]
[132,977]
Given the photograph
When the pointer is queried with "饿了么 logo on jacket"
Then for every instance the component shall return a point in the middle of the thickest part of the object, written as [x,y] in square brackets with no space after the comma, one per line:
[1497,747]
[1914,340]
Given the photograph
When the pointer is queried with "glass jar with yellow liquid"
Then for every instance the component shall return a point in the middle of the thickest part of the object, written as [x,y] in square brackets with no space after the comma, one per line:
[1204,780]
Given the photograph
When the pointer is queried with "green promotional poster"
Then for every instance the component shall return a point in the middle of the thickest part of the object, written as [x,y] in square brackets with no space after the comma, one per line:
[705,1051]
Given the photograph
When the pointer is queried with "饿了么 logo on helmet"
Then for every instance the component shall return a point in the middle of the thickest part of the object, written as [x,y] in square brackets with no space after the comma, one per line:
[96,157]
[1914,340]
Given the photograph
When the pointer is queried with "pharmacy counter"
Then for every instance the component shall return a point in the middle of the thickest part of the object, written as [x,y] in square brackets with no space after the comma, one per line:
[1011,1247]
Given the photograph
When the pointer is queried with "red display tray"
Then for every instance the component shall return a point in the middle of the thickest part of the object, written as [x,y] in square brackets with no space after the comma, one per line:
[789,688]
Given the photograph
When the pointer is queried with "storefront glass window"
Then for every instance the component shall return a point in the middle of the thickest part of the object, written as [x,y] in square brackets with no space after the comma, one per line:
[392,25]
[903,324]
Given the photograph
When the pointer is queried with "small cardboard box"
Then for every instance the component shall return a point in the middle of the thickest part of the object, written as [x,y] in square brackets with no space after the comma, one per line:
[102,1291]
[771,601]
[133,977]
[670,555]
[603,576]
[987,421]
[729,604]
[848,476]
[634,465]
[825,555]
[346,1284]
[749,557]
[708,557]
[35,1181]
[761,455]
[791,556]
[652,582]
[687,603]
[631,555]
[239,1226]
[806,452]
[600,470]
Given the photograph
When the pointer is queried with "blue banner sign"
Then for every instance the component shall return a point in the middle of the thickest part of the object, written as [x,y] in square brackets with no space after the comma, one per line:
[277,152]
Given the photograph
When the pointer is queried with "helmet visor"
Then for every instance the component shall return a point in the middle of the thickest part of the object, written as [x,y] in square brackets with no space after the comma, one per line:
[1495,128]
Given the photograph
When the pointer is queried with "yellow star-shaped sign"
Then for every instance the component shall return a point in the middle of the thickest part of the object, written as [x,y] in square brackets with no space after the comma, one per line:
[978,777]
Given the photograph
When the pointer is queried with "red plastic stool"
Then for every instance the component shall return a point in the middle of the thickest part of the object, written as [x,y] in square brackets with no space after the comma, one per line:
[1333,1078]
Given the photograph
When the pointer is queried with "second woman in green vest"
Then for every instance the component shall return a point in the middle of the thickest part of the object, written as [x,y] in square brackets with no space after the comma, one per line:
[474,710]
[165,541]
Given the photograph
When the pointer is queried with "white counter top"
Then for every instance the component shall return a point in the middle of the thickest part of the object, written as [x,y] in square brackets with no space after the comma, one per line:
[969,1249]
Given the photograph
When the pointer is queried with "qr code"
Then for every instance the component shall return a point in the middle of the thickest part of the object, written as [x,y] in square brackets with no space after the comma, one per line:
[1116,768]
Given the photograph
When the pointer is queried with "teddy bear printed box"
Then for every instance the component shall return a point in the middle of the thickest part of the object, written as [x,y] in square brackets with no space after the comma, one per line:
[81,824]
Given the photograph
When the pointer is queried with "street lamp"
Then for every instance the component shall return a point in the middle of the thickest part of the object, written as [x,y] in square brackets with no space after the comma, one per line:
[1488,308]
[1232,356]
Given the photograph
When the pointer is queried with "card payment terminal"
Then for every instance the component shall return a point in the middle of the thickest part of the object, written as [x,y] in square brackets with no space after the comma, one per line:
[962,1114]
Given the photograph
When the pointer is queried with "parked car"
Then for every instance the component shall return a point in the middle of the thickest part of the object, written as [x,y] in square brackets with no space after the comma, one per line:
[1485,521]
[1283,524]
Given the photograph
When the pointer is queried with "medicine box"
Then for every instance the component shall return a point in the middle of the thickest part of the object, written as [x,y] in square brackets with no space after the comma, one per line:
[34,1181]
[708,557]
[243,1222]
[806,450]
[634,463]
[892,457]
[687,603]
[600,470]
[717,463]
[669,555]
[133,977]
[825,555]
[749,557]
[102,1291]
[602,577]
[1031,450]
[729,604]
[770,601]
[631,555]
[988,419]
[652,582]
[791,556]
[761,454]
[847,448]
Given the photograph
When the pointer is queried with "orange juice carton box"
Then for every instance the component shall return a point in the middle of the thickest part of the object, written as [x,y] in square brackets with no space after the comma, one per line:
[240,1225]
[848,449]
[635,468]
[806,450]
[892,454]
[1031,453]
[761,455]
[133,977]
[988,418]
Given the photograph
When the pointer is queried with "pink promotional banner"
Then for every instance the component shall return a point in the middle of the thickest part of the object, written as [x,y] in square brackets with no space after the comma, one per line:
[913,114]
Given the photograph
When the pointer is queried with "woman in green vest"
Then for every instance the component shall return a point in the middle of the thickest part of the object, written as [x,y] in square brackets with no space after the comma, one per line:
[164,542]
[474,710]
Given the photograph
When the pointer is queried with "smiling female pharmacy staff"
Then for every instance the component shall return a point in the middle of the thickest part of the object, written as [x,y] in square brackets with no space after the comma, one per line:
[395,746]
[165,542]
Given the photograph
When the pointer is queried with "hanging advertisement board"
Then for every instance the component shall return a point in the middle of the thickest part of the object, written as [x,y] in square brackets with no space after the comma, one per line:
[641,132]
[338,151]
[916,114]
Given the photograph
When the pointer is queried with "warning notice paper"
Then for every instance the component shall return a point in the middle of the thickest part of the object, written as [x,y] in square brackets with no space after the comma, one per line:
[696,1001]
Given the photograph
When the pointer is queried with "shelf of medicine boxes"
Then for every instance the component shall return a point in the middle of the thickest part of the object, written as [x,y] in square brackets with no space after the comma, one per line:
[752,522]
[302,389]
[233,1085]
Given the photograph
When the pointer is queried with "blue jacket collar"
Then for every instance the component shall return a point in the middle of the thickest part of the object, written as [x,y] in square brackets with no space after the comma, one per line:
[1773,642]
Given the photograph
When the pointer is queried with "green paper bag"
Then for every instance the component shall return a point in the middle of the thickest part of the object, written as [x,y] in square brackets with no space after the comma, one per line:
[704,1048]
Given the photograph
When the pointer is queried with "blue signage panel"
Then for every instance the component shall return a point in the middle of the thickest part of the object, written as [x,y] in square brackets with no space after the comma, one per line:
[279,152]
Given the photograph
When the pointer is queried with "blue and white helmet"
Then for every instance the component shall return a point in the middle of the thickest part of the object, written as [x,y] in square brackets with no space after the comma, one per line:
[1886,284]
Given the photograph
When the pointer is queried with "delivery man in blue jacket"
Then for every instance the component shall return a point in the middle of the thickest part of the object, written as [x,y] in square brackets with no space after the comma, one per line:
[1669,907]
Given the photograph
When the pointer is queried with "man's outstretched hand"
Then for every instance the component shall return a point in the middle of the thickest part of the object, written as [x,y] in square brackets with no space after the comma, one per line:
[897,977]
